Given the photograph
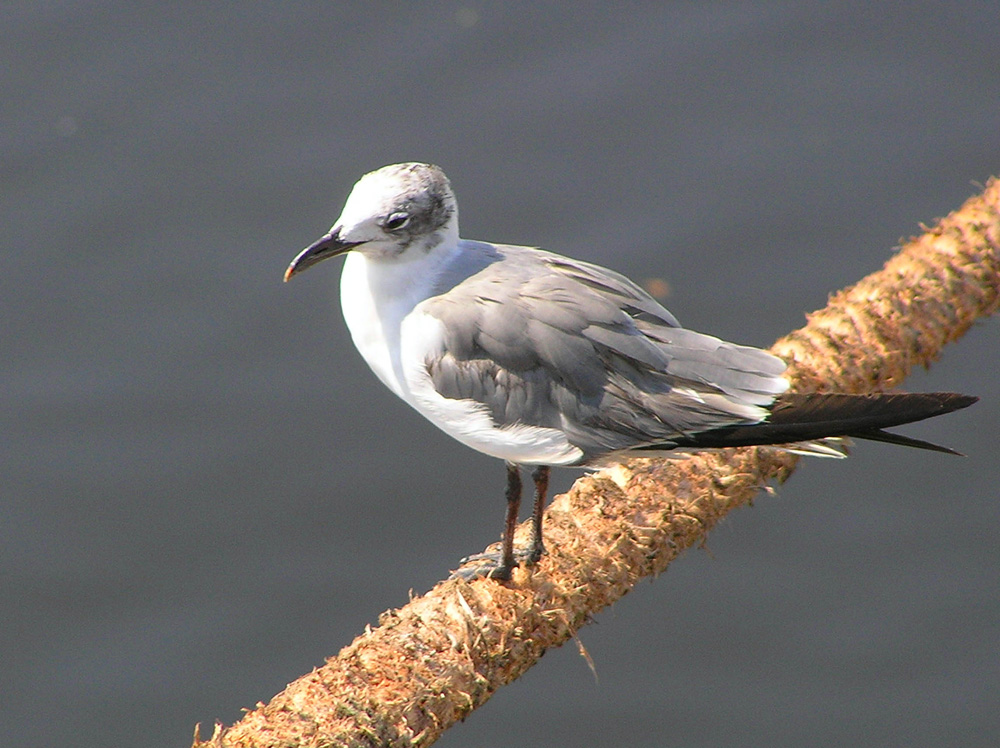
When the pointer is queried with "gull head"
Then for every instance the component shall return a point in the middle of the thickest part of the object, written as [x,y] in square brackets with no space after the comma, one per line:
[398,212]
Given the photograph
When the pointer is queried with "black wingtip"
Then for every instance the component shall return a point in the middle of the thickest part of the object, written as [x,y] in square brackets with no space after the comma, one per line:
[878,435]
[951,401]
[947,402]
[798,417]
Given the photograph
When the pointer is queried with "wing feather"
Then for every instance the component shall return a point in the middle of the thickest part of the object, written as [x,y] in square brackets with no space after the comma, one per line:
[546,341]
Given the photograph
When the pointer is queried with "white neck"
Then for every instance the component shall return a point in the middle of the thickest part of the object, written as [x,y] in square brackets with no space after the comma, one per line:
[376,294]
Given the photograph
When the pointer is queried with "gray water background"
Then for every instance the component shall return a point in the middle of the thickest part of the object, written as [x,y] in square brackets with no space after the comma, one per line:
[203,490]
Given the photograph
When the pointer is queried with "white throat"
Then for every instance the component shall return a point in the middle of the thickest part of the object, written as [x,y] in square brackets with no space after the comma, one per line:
[377,294]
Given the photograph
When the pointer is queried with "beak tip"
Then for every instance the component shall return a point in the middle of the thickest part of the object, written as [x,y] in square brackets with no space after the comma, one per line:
[328,246]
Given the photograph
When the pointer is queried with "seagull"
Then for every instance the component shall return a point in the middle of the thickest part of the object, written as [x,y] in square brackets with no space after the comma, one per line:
[541,360]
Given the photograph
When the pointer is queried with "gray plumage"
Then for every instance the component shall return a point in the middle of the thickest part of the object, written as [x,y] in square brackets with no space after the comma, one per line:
[540,359]
[542,340]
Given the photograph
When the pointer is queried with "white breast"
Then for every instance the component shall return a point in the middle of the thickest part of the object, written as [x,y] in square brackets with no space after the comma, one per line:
[375,297]
[395,339]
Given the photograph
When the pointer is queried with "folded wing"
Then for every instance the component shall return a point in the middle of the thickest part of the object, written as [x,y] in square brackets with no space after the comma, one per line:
[541,340]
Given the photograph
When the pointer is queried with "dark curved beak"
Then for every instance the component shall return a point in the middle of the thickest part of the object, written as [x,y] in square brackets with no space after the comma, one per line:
[329,246]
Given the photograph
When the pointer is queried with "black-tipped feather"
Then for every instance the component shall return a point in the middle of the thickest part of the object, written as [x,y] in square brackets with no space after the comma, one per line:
[806,417]
[878,435]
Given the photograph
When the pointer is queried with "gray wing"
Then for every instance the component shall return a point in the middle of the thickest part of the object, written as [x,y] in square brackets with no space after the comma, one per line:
[544,340]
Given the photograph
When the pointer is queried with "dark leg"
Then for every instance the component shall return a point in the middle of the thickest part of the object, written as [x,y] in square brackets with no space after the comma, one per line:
[499,565]
[513,494]
[541,477]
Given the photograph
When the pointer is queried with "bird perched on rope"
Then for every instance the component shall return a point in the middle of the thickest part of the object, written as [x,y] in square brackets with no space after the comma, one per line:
[542,360]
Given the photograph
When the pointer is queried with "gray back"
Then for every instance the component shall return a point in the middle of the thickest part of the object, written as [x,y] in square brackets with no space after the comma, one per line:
[544,340]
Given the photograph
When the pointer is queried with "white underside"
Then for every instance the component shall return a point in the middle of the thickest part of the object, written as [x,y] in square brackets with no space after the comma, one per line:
[380,301]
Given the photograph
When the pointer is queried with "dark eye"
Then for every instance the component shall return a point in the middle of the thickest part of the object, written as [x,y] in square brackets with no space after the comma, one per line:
[396,221]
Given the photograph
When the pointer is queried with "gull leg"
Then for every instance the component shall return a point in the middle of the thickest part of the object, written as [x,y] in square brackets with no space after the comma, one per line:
[500,565]
[495,564]
[507,563]
[540,476]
